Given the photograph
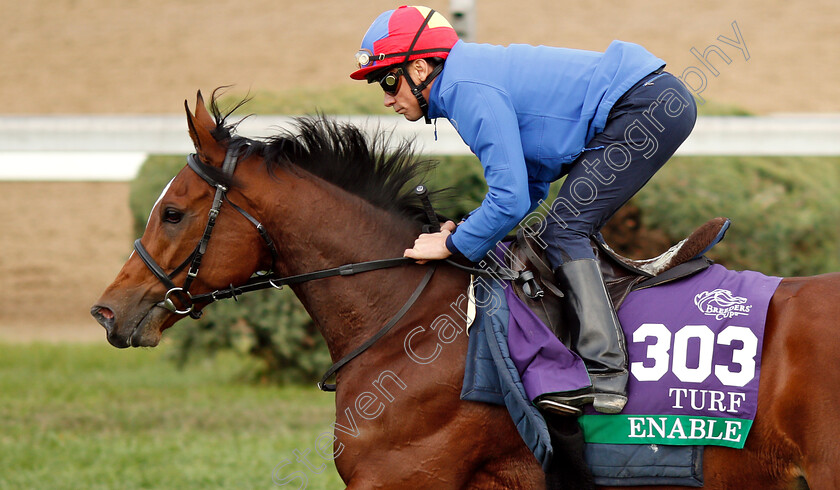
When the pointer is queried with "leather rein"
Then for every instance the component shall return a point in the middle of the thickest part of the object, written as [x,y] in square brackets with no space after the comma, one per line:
[182,295]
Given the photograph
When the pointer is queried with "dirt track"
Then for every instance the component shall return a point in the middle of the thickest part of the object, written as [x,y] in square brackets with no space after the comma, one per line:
[99,56]
[62,243]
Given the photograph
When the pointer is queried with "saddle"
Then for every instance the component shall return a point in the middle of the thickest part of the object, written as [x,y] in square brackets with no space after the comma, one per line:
[621,274]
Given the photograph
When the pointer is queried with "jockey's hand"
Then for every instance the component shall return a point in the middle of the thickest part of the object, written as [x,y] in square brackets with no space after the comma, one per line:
[431,246]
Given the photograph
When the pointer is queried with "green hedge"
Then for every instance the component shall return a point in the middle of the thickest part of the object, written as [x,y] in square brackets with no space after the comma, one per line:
[785,211]
[785,214]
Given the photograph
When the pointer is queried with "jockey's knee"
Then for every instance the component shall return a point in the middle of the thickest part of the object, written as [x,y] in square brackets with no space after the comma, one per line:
[566,245]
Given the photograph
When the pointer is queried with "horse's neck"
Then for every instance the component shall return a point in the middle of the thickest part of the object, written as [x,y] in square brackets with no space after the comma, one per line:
[318,226]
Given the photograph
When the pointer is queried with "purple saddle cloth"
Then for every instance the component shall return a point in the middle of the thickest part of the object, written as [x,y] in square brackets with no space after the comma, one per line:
[694,348]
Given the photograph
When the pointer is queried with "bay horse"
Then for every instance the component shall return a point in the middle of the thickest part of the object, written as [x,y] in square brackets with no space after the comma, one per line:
[328,196]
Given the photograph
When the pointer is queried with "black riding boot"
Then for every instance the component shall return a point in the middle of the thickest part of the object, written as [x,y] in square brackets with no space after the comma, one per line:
[588,313]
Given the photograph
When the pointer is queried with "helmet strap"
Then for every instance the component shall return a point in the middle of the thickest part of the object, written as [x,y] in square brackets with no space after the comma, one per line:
[417,90]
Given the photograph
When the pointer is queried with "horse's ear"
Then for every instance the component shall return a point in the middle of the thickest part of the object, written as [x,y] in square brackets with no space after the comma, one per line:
[201,126]
[202,116]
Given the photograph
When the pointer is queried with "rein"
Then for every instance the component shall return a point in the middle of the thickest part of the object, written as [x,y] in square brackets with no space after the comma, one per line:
[188,301]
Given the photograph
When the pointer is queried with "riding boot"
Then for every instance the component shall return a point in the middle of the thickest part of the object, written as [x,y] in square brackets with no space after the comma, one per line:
[588,313]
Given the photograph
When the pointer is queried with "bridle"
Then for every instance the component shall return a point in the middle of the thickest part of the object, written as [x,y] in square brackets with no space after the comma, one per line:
[264,281]
[188,301]
[268,280]
[182,293]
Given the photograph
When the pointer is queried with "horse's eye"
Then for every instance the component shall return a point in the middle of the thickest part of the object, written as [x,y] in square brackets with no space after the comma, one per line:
[172,215]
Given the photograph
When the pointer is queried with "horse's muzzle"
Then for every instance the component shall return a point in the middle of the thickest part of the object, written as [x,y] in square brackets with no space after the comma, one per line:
[106,317]
[133,333]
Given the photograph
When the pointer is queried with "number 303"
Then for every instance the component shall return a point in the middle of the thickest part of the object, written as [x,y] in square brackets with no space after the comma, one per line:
[659,353]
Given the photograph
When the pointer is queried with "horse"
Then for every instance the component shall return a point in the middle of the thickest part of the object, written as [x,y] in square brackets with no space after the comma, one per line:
[325,196]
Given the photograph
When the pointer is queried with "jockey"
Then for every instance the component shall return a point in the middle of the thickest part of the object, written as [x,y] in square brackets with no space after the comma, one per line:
[607,121]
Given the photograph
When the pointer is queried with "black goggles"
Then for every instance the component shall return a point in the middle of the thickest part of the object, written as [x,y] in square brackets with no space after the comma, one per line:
[390,82]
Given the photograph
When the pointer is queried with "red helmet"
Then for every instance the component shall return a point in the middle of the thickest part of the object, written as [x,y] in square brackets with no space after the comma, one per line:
[401,35]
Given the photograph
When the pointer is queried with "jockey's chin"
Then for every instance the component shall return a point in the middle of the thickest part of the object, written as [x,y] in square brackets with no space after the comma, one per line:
[410,114]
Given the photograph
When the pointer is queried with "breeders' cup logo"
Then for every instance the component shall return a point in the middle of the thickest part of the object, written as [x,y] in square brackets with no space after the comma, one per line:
[721,303]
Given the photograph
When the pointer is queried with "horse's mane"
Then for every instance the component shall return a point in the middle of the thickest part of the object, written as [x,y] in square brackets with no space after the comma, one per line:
[372,167]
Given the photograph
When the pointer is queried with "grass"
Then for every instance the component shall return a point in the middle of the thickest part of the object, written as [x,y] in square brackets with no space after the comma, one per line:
[90,416]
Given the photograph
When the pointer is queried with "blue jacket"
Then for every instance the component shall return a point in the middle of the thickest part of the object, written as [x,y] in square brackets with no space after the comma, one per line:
[527,112]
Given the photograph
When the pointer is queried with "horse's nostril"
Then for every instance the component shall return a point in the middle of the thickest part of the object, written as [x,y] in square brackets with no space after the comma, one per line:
[103,315]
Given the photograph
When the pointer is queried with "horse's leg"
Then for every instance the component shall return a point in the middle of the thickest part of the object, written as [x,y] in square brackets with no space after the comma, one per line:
[474,447]
[423,435]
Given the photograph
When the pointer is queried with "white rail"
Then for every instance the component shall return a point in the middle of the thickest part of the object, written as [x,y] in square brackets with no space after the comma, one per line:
[113,147]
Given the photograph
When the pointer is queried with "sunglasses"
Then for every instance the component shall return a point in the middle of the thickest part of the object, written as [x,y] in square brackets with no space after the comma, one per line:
[390,83]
